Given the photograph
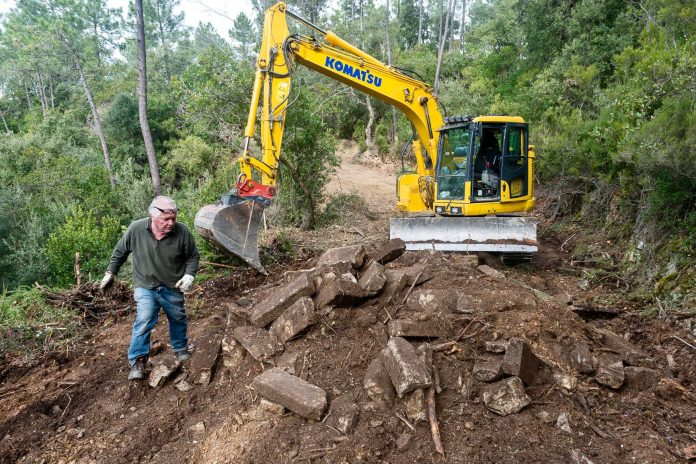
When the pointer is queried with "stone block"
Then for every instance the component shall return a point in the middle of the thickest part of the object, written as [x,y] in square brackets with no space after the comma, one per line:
[506,396]
[205,357]
[418,273]
[496,346]
[289,362]
[377,383]
[373,279]
[232,352]
[519,360]
[630,354]
[433,301]
[260,343]
[388,252]
[414,406]
[353,254]
[490,272]
[408,328]
[406,369]
[488,371]
[165,367]
[293,393]
[396,281]
[581,357]
[343,415]
[341,293]
[277,302]
[294,320]
[610,371]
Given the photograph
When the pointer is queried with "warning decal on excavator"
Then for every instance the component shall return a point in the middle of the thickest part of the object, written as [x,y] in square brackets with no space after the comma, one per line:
[349,70]
[516,187]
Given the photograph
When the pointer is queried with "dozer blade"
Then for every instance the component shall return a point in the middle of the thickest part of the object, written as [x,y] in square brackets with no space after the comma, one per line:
[233,229]
[500,234]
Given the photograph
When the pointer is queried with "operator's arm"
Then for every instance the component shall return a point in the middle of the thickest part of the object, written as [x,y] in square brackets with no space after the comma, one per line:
[121,251]
[192,255]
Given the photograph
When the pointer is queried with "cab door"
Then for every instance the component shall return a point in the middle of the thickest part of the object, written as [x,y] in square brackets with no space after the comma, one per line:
[514,172]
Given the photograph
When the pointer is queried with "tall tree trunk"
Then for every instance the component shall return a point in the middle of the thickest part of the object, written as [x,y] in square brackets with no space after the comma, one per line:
[50,87]
[142,100]
[389,62]
[2,116]
[93,108]
[42,93]
[420,22]
[167,74]
[369,136]
[441,50]
[461,26]
[452,12]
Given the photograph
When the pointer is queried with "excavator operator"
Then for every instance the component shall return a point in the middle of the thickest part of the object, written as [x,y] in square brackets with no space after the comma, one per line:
[489,153]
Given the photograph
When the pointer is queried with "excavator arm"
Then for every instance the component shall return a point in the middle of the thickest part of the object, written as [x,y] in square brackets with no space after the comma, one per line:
[232,225]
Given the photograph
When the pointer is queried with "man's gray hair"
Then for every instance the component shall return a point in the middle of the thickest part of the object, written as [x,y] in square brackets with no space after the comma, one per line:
[161,202]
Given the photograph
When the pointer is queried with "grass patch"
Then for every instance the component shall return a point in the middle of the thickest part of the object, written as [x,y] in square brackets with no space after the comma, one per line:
[30,326]
[342,208]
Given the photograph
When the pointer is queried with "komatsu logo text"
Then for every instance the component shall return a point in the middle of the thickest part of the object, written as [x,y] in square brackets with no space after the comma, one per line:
[356,73]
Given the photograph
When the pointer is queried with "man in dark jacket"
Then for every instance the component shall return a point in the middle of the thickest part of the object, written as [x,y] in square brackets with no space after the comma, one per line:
[165,261]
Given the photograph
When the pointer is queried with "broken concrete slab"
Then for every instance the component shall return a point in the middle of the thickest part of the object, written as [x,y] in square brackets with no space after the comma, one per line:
[260,343]
[377,383]
[343,415]
[414,406]
[433,301]
[519,360]
[488,370]
[490,272]
[388,252]
[232,352]
[506,396]
[581,357]
[205,357]
[610,371]
[294,320]
[293,393]
[278,301]
[165,367]
[406,369]
[353,254]
[341,293]
[373,279]
[425,329]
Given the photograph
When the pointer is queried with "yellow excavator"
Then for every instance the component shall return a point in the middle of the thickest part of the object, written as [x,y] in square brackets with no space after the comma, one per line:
[472,178]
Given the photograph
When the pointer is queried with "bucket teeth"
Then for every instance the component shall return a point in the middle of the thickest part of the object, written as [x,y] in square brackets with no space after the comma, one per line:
[233,229]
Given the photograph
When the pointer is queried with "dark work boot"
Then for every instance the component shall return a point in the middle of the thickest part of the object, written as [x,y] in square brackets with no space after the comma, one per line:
[182,355]
[137,371]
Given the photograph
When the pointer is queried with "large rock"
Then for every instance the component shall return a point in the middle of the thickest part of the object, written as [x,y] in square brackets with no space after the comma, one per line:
[291,392]
[506,397]
[488,370]
[205,357]
[294,320]
[396,281]
[260,343]
[433,301]
[276,303]
[377,383]
[610,371]
[519,360]
[343,415]
[406,369]
[340,292]
[165,367]
[630,354]
[425,329]
[418,273]
[373,279]
[490,272]
[353,254]
[388,252]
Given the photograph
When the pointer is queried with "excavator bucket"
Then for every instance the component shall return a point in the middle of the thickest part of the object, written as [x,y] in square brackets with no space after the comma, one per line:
[233,228]
[508,235]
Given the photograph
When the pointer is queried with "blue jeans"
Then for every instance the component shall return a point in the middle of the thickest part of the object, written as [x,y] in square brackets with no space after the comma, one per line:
[149,301]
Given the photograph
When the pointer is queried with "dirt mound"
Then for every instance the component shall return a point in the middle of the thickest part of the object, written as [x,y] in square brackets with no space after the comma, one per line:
[81,409]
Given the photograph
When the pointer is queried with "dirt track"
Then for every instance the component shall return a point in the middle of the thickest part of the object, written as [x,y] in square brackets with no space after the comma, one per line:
[79,408]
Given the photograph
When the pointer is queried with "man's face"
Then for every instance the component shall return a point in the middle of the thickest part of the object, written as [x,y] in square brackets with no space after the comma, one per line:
[164,223]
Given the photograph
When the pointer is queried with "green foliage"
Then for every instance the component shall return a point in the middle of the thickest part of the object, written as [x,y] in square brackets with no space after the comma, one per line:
[82,232]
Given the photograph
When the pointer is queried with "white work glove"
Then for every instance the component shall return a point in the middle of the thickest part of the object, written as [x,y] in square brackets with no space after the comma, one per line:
[106,282]
[185,284]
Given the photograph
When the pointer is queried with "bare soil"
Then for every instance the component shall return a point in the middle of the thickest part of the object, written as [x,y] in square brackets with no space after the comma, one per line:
[79,407]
